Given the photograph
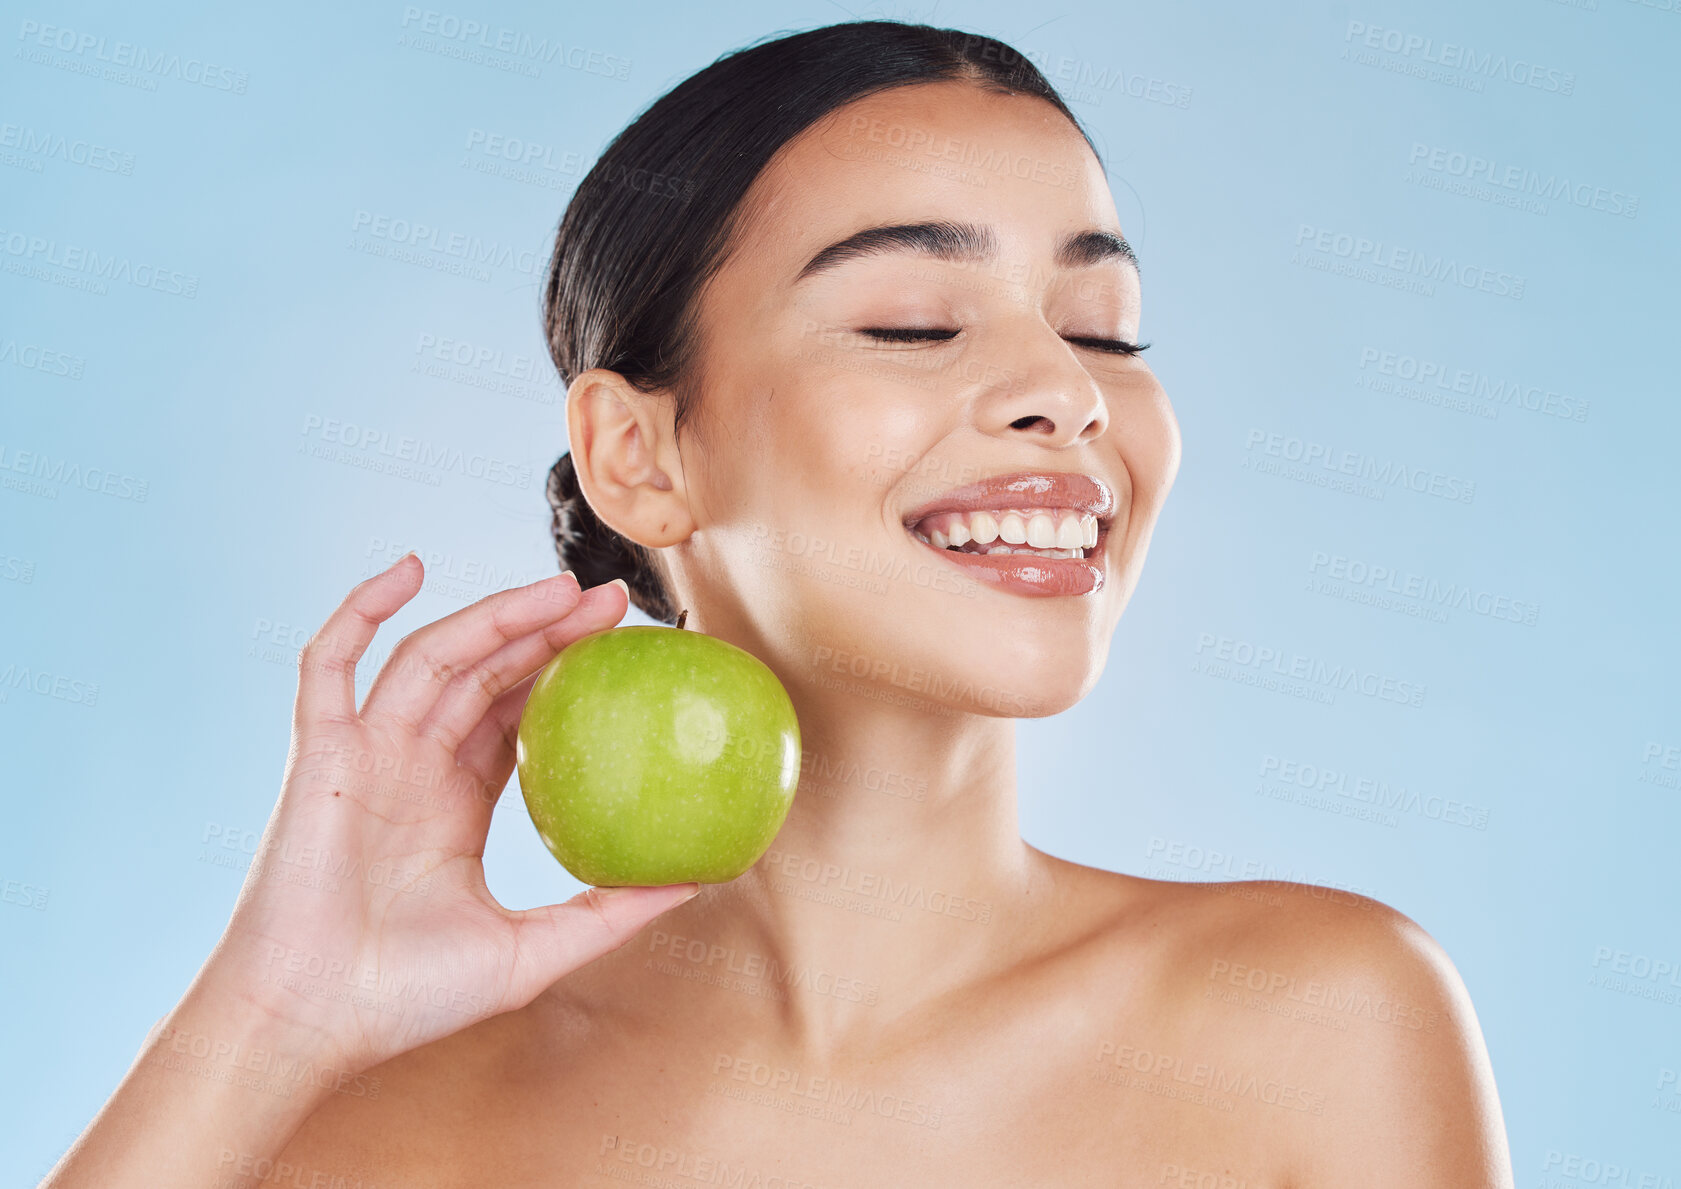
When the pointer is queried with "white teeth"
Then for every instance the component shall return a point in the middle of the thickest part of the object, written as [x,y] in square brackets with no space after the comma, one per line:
[1042,532]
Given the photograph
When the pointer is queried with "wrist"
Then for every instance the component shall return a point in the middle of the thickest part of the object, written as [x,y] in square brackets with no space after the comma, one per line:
[222,1032]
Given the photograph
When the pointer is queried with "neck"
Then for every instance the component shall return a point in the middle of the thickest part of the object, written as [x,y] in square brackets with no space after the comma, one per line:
[899,875]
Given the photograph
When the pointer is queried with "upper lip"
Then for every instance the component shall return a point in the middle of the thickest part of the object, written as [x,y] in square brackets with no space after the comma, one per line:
[1025,489]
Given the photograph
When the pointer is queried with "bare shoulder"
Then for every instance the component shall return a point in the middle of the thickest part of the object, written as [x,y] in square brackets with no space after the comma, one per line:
[406,1119]
[1349,1014]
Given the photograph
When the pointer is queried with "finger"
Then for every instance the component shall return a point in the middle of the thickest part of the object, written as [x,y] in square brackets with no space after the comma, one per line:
[470,694]
[427,660]
[327,662]
[556,940]
[488,752]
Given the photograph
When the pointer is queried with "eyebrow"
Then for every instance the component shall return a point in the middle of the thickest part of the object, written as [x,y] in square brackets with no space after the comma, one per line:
[963,243]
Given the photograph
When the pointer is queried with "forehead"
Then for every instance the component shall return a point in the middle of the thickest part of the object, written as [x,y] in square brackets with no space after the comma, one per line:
[932,151]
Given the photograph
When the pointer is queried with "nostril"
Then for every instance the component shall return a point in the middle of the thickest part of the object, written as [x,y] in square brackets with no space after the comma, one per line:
[1031,422]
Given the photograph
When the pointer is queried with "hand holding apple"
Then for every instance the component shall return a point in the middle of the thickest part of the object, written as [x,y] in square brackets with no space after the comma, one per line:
[370,874]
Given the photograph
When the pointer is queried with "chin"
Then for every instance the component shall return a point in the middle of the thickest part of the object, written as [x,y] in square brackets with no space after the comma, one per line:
[1054,678]
[1034,668]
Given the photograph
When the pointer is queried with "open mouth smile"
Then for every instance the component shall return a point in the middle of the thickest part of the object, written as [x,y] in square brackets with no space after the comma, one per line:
[1029,533]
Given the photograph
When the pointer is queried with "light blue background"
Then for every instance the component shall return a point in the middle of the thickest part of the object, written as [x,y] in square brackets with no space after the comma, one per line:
[185,608]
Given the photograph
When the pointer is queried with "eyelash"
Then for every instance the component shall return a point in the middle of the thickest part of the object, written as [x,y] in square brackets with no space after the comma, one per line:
[899,335]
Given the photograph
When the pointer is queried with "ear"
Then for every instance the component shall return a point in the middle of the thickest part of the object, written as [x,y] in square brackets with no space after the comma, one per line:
[624,449]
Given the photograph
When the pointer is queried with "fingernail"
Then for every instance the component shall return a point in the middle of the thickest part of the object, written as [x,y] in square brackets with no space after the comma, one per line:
[622,585]
[400,561]
[641,888]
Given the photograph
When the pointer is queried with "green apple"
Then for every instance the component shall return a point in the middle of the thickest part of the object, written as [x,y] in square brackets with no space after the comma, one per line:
[655,755]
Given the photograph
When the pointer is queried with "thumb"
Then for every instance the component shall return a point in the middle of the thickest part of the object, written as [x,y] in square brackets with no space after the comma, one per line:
[556,940]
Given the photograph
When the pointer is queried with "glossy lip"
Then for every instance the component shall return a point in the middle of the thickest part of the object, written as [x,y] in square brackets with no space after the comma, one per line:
[1020,573]
[1026,489]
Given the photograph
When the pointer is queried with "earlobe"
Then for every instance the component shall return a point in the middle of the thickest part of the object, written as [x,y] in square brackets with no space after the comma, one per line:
[624,450]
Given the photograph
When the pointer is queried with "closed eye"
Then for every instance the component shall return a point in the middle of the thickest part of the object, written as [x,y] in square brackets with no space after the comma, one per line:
[893,334]
[1116,346]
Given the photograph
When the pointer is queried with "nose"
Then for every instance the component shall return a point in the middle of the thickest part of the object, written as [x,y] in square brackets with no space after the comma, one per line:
[1040,390]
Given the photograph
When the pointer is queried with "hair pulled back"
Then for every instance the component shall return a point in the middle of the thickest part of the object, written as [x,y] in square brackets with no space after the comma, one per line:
[650,223]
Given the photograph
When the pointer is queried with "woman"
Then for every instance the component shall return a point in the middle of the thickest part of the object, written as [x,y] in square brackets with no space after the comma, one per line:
[849,329]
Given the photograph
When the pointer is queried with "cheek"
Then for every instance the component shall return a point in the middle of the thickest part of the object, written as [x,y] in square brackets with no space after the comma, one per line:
[1148,434]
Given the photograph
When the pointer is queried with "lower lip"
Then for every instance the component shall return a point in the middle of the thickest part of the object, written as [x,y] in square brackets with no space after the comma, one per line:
[1021,573]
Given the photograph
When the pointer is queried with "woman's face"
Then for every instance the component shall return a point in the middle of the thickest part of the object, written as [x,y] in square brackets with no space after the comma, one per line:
[821,460]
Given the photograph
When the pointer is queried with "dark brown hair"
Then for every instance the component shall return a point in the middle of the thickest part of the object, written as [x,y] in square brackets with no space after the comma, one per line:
[650,223]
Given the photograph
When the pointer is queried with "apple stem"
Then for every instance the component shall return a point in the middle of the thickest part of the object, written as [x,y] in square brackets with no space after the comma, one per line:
[682,617]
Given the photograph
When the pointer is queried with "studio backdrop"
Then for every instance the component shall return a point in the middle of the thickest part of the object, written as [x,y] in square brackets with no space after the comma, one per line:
[271,285]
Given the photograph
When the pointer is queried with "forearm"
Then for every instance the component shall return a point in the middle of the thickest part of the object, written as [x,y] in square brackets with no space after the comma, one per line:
[216,1093]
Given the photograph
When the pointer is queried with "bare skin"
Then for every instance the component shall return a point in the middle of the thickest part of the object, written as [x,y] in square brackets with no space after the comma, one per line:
[902,991]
